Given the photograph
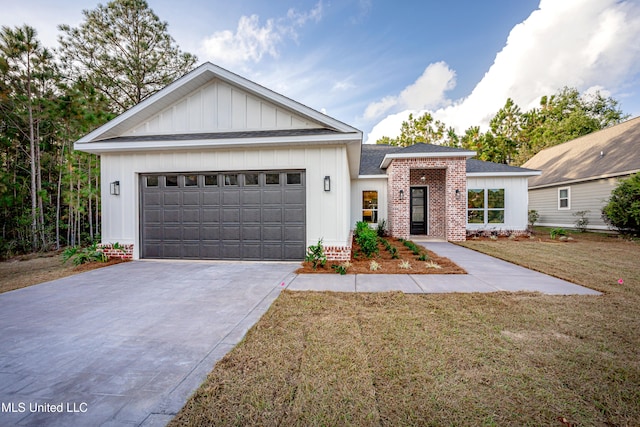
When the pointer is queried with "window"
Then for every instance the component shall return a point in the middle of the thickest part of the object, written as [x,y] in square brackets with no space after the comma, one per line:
[294,178]
[231,179]
[273,178]
[190,180]
[152,181]
[211,180]
[171,181]
[564,198]
[485,206]
[250,179]
[370,206]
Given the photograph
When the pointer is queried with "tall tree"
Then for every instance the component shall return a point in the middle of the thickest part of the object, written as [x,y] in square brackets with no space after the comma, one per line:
[124,51]
[420,129]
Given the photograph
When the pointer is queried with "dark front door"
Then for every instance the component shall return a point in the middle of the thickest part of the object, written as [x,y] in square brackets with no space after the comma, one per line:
[419,216]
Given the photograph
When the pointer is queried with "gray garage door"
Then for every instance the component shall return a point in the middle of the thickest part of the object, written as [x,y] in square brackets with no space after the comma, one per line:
[231,215]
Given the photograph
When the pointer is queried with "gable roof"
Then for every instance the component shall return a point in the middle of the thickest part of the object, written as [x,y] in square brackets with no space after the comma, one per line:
[373,156]
[422,150]
[306,125]
[610,152]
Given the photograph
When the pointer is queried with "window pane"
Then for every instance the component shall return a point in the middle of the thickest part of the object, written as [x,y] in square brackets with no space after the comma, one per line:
[152,181]
[475,216]
[564,193]
[495,217]
[294,178]
[231,179]
[211,180]
[495,198]
[250,179]
[190,180]
[564,203]
[273,178]
[369,215]
[370,200]
[171,181]
[475,198]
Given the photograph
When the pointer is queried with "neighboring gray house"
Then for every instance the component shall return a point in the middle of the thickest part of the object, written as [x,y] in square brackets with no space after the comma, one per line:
[580,174]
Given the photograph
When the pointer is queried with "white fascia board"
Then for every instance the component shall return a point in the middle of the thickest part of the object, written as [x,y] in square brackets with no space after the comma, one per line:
[171,145]
[390,157]
[373,176]
[502,174]
[591,178]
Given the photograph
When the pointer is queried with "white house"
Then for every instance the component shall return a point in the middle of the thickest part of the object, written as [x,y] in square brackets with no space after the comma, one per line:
[215,166]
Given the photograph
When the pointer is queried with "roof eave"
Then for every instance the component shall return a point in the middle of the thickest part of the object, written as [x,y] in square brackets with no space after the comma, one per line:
[388,158]
[491,174]
[578,181]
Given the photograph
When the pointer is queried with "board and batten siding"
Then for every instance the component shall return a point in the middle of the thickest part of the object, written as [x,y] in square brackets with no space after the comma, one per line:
[327,212]
[368,184]
[590,195]
[515,201]
[219,107]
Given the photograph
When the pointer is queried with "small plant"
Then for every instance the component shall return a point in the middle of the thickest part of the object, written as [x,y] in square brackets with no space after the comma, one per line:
[557,232]
[493,237]
[117,246]
[533,217]
[431,264]
[381,230]
[315,255]
[79,255]
[405,265]
[373,265]
[340,269]
[368,241]
[361,226]
[423,257]
[582,222]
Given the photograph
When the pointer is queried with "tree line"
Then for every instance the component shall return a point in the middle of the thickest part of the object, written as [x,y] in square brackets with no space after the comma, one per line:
[515,136]
[120,54]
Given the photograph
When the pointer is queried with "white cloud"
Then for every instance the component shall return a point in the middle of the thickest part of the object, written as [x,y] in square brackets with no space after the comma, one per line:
[252,40]
[587,44]
[427,92]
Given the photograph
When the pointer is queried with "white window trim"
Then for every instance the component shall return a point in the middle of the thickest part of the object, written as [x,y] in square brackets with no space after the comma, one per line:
[486,207]
[568,198]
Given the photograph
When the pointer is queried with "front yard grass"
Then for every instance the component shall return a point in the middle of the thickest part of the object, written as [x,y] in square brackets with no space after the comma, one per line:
[319,358]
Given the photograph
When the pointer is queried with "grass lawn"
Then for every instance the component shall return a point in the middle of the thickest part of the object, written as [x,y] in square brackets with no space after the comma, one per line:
[454,359]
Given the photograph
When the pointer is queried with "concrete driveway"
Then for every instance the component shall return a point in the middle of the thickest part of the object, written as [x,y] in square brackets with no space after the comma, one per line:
[125,345]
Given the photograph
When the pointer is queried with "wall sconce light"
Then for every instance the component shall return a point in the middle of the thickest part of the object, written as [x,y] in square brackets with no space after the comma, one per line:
[327,183]
[401,194]
[457,194]
[115,188]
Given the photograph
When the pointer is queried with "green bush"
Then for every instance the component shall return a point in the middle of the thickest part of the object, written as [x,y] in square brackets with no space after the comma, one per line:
[557,232]
[582,222]
[361,226]
[80,255]
[533,217]
[368,241]
[315,255]
[622,212]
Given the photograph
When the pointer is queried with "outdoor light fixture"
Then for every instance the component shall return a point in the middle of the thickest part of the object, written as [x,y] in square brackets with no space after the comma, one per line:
[115,188]
[457,193]
[401,194]
[327,183]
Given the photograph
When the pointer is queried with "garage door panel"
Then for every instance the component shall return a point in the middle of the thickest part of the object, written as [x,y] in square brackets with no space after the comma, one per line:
[272,233]
[261,218]
[191,198]
[172,198]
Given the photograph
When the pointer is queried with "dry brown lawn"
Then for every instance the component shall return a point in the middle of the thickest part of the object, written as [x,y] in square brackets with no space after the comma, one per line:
[455,359]
[27,270]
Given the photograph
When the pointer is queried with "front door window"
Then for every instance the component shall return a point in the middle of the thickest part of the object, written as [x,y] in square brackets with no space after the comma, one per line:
[419,213]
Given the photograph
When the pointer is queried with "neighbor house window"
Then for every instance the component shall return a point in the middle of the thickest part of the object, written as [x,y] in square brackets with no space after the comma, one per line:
[485,206]
[564,198]
[370,206]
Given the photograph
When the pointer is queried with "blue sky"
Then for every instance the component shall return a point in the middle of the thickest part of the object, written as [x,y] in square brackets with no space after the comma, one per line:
[371,63]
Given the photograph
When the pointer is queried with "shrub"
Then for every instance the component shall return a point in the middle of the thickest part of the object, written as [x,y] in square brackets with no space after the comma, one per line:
[557,232]
[368,241]
[533,217]
[582,222]
[80,255]
[361,227]
[315,255]
[382,228]
[423,257]
[622,212]
[340,269]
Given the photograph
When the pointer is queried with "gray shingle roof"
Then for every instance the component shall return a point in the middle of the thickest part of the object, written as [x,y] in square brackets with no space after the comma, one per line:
[372,156]
[608,152]
[225,135]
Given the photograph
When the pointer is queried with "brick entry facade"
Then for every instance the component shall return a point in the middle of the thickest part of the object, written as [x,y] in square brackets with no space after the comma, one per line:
[447,210]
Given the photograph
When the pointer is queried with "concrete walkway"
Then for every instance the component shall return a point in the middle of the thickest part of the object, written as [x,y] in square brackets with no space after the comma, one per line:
[485,274]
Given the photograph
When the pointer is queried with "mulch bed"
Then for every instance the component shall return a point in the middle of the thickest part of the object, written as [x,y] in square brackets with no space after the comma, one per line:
[360,263]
